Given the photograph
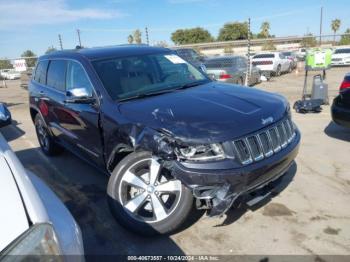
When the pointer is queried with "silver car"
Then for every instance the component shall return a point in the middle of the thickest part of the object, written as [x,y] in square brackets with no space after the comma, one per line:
[231,69]
[33,221]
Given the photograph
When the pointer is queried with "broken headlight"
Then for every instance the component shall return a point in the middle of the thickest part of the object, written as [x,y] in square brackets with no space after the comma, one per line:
[201,152]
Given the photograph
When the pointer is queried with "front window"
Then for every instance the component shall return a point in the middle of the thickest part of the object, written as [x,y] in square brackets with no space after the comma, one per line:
[76,77]
[135,76]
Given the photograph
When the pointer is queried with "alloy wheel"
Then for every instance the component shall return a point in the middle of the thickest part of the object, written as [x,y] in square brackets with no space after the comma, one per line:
[148,192]
[43,136]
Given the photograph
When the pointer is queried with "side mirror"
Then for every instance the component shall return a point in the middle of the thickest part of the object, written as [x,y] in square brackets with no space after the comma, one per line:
[5,116]
[79,96]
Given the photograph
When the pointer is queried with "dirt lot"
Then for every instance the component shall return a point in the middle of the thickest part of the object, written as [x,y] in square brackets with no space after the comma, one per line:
[311,215]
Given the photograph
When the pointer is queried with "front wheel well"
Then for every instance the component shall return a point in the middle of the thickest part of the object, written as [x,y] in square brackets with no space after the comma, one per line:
[117,155]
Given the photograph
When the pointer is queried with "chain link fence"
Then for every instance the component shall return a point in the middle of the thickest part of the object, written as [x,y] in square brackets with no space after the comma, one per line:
[20,68]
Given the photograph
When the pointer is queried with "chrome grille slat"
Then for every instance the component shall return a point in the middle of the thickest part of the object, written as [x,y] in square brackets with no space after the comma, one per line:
[264,144]
[282,135]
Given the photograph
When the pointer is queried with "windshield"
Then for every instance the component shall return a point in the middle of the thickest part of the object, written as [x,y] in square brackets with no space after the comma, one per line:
[132,76]
[342,51]
[264,56]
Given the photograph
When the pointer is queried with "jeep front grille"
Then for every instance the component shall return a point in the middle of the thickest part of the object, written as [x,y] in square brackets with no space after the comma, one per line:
[264,144]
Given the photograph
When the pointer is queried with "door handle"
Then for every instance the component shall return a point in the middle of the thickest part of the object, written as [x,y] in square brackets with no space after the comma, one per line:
[41,92]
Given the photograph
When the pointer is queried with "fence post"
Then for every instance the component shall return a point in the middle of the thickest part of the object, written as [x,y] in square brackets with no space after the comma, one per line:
[247,75]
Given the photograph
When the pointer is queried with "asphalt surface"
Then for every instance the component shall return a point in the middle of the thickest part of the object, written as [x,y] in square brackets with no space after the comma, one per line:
[310,214]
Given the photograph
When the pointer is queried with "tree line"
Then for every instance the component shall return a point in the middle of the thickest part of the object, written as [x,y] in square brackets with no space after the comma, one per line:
[239,31]
[229,32]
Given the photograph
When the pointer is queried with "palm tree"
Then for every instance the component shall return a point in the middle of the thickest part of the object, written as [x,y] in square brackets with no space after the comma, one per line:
[265,29]
[137,36]
[335,27]
[130,39]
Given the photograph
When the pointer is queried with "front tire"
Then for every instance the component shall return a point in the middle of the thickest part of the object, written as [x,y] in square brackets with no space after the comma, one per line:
[145,198]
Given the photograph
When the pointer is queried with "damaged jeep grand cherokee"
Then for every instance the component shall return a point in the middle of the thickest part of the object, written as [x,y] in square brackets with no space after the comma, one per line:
[168,136]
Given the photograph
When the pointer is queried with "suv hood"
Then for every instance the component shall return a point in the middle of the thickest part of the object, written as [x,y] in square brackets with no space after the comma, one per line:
[13,219]
[212,112]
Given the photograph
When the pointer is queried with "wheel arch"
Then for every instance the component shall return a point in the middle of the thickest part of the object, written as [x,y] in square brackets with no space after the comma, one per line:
[117,154]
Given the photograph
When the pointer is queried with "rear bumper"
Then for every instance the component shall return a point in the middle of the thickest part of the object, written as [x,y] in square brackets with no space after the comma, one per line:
[225,185]
[340,114]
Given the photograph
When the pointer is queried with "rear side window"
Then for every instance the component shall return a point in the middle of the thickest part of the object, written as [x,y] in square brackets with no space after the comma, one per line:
[40,73]
[264,56]
[56,74]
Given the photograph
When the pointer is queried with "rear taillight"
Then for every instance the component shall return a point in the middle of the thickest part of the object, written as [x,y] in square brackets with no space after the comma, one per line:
[345,85]
[225,76]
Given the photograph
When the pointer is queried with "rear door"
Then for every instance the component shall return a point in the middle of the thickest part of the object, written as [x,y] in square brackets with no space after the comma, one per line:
[53,97]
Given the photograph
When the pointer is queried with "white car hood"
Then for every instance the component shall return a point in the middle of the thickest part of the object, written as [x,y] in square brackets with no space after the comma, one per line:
[13,218]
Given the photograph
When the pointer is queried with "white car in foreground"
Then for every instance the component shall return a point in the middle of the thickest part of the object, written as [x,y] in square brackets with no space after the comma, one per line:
[33,221]
[341,57]
[273,63]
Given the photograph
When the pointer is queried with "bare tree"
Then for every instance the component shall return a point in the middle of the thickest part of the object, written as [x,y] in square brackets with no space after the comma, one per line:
[130,39]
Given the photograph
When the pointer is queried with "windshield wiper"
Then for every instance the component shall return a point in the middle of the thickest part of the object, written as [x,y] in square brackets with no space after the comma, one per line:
[192,84]
[143,95]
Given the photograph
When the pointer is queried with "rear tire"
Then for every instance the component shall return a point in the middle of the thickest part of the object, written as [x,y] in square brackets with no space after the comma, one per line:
[146,205]
[46,141]
[278,71]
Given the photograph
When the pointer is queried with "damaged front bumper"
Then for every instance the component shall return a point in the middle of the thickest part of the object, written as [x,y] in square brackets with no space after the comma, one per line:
[219,184]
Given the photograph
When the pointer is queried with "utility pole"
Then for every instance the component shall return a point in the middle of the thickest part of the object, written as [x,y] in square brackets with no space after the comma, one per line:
[78,32]
[247,75]
[147,39]
[321,18]
[60,41]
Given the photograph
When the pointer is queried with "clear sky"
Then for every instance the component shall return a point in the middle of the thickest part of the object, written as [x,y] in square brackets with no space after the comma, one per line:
[35,24]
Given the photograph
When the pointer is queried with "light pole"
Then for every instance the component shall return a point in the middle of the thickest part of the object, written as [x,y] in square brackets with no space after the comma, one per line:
[321,18]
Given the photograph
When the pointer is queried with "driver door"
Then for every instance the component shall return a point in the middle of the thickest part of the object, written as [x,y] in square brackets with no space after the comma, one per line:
[83,123]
